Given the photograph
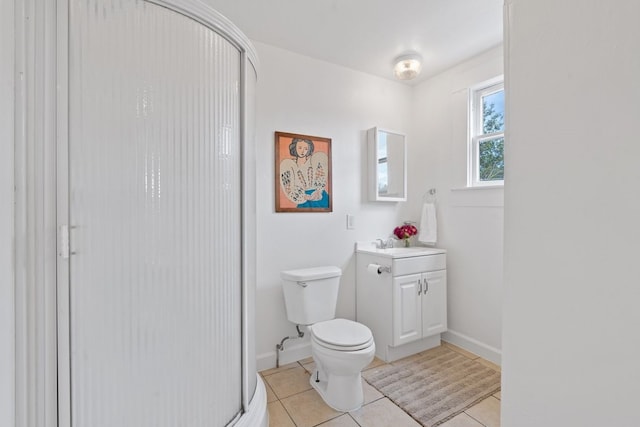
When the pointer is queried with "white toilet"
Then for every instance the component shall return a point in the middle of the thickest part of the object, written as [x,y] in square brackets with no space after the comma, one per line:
[341,348]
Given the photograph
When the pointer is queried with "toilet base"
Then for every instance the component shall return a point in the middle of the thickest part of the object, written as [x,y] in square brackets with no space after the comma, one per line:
[341,392]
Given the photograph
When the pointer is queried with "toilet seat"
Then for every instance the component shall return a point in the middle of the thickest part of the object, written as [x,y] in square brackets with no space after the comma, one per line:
[342,335]
[343,348]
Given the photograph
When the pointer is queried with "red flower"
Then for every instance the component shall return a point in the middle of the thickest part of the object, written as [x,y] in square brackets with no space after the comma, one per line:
[405,231]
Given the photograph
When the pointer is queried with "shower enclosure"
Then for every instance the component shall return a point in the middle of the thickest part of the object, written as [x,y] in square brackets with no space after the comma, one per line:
[155,217]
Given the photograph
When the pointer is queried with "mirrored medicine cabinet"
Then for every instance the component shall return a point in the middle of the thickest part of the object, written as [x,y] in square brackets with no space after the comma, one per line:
[387,159]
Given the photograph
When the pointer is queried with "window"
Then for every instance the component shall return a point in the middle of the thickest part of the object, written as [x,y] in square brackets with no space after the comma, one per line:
[486,142]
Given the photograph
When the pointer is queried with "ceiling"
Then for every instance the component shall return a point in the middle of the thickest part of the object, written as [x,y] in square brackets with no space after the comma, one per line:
[366,35]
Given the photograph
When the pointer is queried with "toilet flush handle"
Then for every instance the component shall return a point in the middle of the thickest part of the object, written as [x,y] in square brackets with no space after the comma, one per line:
[303,284]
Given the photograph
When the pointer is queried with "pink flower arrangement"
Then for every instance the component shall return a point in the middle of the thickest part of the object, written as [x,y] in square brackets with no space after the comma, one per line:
[405,231]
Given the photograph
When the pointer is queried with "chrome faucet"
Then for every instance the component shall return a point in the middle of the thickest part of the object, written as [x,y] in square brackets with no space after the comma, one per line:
[382,244]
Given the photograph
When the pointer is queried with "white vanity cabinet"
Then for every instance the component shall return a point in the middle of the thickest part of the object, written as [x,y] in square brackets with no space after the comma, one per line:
[405,305]
[419,306]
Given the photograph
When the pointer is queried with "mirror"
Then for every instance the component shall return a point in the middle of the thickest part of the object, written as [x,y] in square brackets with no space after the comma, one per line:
[387,165]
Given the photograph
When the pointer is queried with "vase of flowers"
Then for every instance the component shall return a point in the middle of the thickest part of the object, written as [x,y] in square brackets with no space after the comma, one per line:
[404,232]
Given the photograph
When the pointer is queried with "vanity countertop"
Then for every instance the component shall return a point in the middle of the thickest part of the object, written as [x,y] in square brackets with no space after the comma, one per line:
[401,252]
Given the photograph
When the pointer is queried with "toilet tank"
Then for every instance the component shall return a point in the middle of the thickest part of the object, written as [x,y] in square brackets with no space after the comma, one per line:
[311,294]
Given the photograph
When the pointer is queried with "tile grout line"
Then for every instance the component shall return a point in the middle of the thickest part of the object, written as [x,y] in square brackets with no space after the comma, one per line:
[354,420]
[279,400]
[285,408]
[477,420]
[288,414]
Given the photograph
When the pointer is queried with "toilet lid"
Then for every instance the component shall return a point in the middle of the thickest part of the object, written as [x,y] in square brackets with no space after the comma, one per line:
[342,333]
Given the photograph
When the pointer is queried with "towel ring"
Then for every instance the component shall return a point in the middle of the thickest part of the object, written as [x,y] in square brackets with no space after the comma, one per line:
[430,196]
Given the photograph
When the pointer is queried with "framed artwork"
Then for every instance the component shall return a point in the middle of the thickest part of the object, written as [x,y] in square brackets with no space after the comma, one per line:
[303,173]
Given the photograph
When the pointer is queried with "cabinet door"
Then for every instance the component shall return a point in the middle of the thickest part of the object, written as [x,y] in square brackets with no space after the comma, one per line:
[434,302]
[407,308]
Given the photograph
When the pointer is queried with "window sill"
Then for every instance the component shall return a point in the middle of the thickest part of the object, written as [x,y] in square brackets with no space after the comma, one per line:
[485,196]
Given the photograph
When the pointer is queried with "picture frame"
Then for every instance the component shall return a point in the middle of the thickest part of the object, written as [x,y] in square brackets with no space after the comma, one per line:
[303,181]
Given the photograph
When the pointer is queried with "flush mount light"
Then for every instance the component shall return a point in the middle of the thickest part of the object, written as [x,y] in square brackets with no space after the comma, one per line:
[408,66]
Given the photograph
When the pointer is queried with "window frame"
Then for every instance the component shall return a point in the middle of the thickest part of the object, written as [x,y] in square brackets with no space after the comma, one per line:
[476,135]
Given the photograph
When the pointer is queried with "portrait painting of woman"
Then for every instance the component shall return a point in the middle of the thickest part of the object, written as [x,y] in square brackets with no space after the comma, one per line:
[303,173]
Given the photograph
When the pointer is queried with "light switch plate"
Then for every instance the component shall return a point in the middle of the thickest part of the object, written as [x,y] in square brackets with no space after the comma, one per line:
[351,222]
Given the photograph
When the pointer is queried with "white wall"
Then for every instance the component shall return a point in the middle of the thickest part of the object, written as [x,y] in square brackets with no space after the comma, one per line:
[470,222]
[301,95]
[6,215]
[572,236]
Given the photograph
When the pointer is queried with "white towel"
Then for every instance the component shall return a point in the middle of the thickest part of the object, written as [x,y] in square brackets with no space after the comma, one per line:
[428,225]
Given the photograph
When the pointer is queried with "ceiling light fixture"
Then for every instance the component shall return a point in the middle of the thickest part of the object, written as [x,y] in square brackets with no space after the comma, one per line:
[407,66]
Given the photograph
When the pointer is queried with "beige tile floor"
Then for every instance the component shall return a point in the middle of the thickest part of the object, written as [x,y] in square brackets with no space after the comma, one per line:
[292,402]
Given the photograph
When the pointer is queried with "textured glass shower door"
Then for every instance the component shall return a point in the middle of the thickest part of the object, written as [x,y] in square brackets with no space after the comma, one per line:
[155,218]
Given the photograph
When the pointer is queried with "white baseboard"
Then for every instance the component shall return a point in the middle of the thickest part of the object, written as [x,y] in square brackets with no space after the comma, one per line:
[474,346]
[290,354]
[301,351]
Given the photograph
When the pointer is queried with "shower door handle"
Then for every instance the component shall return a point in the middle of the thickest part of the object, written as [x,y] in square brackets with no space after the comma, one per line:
[64,236]
[64,241]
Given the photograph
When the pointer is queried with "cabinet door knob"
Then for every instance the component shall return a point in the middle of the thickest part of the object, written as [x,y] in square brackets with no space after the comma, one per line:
[419,287]
[426,286]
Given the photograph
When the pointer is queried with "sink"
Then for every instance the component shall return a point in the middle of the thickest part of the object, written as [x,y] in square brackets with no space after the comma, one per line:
[402,252]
